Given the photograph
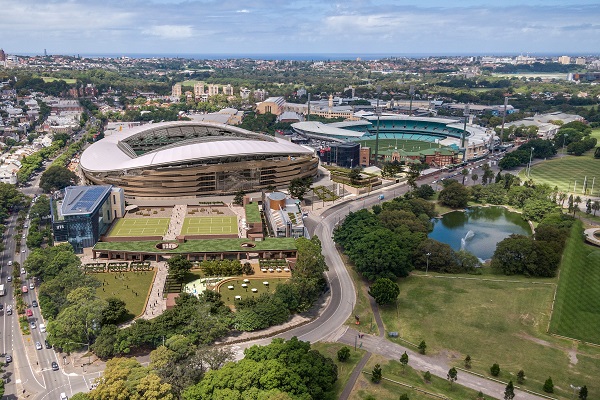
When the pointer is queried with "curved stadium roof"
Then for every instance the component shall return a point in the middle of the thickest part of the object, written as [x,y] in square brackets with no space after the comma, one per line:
[172,143]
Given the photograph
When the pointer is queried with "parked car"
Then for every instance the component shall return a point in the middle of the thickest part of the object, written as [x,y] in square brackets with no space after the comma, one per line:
[48,345]
[38,346]
[9,278]
[28,312]
[32,325]
[8,358]
[22,270]
[54,366]
[34,303]
[42,327]
[31,286]
[63,396]
[24,289]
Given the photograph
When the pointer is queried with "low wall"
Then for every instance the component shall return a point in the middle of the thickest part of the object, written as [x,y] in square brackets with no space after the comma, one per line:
[129,238]
[222,236]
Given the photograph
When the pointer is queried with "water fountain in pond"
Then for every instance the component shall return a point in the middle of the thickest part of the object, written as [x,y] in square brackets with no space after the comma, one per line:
[463,241]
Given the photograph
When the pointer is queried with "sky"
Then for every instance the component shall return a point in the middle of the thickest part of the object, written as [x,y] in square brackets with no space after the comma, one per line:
[356,27]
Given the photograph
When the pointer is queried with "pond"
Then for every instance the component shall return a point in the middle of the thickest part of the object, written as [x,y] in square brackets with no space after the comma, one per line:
[478,229]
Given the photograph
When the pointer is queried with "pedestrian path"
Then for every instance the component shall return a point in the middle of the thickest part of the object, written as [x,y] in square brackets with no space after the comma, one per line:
[157,303]
[176,222]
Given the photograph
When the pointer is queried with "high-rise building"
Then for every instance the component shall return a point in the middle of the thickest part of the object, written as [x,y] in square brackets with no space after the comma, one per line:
[176,91]
[213,90]
[198,90]
[244,93]
[2,55]
[564,60]
[228,90]
[260,94]
[580,61]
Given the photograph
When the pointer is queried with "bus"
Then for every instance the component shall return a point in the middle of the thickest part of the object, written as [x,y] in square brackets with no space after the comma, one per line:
[2,292]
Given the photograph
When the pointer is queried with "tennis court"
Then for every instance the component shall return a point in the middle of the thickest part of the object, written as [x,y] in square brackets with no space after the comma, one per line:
[209,225]
[140,227]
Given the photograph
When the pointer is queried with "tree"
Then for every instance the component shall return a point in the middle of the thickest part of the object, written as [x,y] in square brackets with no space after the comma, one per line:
[548,386]
[583,392]
[509,391]
[404,360]
[422,347]
[384,291]
[427,376]
[238,199]
[452,375]
[343,354]
[424,192]
[299,186]
[520,377]
[376,374]
[468,362]
[454,195]
[495,369]
[475,177]
[354,175]
[114,312]
[464,173]
[404,396]
[57,178]
[179,266]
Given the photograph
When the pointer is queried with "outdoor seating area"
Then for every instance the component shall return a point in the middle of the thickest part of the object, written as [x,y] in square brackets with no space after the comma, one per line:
[271,266]
[121,266]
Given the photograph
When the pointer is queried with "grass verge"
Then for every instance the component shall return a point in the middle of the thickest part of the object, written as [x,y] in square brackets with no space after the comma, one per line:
[344,368]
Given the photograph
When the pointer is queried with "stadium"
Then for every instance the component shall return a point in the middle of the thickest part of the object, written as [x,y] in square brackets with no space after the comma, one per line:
[402,135]
[185,160]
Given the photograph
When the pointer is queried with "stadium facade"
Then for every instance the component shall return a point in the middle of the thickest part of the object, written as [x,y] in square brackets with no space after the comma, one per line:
[186,160]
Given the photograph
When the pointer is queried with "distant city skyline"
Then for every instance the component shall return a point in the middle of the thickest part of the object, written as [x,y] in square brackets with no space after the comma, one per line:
[354,27]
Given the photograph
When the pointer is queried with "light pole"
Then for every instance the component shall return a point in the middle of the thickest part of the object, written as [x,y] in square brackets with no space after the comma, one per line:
[427,268]
[575,389]
[530,158]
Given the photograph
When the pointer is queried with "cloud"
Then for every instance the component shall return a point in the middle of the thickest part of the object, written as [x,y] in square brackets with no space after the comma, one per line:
[170,31]
[243,11]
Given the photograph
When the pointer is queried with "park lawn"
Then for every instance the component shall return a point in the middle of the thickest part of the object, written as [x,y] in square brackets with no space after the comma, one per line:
[344,368]
[115,285]
[569,172]
[492,321]
[392,369]
[69,81]
[577,308]
[228,295]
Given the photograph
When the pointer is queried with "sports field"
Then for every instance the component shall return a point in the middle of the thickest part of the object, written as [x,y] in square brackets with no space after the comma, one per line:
[140,227]
[210,225]
[390,144]
[569,172]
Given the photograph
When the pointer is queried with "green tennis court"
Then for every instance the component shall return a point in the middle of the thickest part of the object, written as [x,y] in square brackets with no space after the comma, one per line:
[400,144]
[209,225]
[140,227]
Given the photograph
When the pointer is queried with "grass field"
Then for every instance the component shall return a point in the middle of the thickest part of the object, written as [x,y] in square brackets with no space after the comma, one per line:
[123,285]
[577,308]
[390,144]
[344,368]
[69,81]
[569,172]
[386,390]
[492,321]
[209,225]
[140,227]
[228,295]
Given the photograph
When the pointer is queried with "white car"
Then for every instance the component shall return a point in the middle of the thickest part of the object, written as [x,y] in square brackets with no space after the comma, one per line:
[22,270]
[63,396]
[38,346]
[42,327]
[31,286]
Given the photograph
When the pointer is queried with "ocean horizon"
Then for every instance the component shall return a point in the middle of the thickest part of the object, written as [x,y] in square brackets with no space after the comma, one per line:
[291,56]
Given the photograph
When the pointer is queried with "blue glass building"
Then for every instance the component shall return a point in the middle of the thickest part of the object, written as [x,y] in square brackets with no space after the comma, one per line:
[81,214]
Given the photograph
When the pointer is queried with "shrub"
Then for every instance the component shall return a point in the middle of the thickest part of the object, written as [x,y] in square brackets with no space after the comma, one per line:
[495,370]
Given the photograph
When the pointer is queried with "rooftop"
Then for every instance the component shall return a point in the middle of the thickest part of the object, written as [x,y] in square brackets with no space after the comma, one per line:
[201,246]
[81,200]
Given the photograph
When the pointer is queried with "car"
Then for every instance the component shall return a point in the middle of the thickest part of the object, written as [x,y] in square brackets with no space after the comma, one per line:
[9,278]
[23,251]
[24,236]
[48,345]
[54,366]
[42,327]
[25,226]
[38,346]
[22,271]
[28,312]
[8,358]
[9,263]
[24,289]
[9,310]
[34,303]
[1,306]
[63,396]
[32,325]
[31,286]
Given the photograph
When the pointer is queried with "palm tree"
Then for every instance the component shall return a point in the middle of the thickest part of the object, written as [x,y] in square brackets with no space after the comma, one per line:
[465,173]
[562,197]
[474,177]
[595,206]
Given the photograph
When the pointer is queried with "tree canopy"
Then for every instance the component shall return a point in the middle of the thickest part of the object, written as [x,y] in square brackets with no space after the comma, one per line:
[56,178]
